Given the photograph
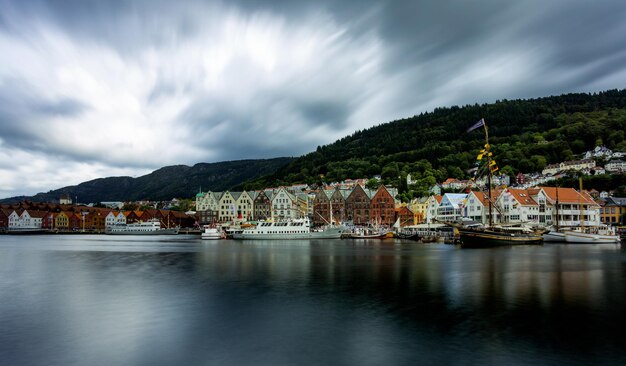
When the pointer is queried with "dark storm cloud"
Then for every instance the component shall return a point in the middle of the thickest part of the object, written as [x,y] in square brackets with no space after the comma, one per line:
[325,112]
[223,80]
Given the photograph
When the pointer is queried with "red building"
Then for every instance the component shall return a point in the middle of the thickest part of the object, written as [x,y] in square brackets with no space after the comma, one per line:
[383,207]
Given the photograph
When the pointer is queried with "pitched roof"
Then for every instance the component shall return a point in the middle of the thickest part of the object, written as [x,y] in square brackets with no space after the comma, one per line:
[522,196]
[566,195]
[616,201]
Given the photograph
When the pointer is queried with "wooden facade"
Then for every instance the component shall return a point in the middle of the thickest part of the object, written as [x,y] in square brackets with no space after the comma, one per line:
[358,206]
[383,207]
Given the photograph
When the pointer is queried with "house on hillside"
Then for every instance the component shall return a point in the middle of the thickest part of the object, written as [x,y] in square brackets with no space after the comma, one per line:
[615,166]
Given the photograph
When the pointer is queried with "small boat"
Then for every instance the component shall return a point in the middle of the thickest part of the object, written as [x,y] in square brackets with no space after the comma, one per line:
[408,235]
[367,233]
[212,233]
[592,235]
[554,236]
[150,227]
[292,229]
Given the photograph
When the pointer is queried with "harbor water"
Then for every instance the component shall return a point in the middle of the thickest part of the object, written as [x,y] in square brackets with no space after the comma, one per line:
[178,300]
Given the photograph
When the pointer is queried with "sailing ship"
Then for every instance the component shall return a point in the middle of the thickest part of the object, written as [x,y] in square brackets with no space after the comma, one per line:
[493,235]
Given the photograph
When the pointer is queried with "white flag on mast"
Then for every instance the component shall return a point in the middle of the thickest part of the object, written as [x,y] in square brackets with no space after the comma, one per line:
[476,125]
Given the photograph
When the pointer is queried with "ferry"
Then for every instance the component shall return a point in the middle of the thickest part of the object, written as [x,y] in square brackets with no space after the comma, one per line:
[293,229]
[150,227]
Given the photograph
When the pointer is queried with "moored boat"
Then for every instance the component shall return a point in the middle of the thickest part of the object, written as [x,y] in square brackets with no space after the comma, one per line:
[494,235]
[554,236]
[595,235]
[293,229]
[367,233]
[150,227]
[212,233]
[498,236]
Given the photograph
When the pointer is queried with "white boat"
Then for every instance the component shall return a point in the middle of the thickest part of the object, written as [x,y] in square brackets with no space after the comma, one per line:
[213,233]
[293,229]
[554,237]
[150,227]
[593,235]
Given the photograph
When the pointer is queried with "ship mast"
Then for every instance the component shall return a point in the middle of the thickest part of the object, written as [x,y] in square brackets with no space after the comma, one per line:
[557,208]
[488,151]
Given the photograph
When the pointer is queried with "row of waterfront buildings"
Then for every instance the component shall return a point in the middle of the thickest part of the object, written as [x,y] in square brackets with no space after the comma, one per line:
[538,206]
[50,216]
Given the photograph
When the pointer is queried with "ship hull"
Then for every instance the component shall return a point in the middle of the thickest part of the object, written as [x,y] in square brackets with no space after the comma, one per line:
[583,238]
[328,234]
[482,239]
[554,237]
[140,232]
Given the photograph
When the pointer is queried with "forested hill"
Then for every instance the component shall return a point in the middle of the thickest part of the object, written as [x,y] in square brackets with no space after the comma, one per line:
[525,136]
[179,181]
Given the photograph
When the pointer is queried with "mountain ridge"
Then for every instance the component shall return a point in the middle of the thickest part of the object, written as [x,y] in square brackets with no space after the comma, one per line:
[175,181]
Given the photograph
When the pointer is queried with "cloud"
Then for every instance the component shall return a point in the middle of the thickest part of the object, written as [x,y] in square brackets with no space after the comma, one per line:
[116,87]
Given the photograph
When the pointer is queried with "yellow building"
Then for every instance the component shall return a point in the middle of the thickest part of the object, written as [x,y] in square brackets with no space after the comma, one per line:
[419,207]
[614,211]
[62,221]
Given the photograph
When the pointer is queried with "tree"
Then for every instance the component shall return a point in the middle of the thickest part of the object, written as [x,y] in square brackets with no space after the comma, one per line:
[372,184]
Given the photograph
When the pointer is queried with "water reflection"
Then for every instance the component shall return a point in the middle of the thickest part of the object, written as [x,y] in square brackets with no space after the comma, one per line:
[92,300]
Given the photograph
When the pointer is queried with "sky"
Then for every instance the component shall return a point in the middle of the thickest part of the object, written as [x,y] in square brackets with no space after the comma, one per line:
[95,88]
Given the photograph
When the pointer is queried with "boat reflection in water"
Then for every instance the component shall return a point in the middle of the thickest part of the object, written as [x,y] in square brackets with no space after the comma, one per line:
[102,300]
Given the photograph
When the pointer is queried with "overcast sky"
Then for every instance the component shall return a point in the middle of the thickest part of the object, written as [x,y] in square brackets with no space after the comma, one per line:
[96,88]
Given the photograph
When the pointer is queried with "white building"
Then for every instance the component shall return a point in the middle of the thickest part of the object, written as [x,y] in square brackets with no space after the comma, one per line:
[227,207]
[245,205]
[476,207]
[207,201]
[26,220]
[432,206]
[599,152]
[450,207]
[517,206]
[576,165]
[615,166]
[284,205]
[115,218]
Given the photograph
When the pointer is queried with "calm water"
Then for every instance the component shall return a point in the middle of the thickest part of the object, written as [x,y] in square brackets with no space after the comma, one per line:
[98,300]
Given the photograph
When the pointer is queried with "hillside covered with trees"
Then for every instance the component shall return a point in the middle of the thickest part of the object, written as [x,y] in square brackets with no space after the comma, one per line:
[178,181]
[525,135]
